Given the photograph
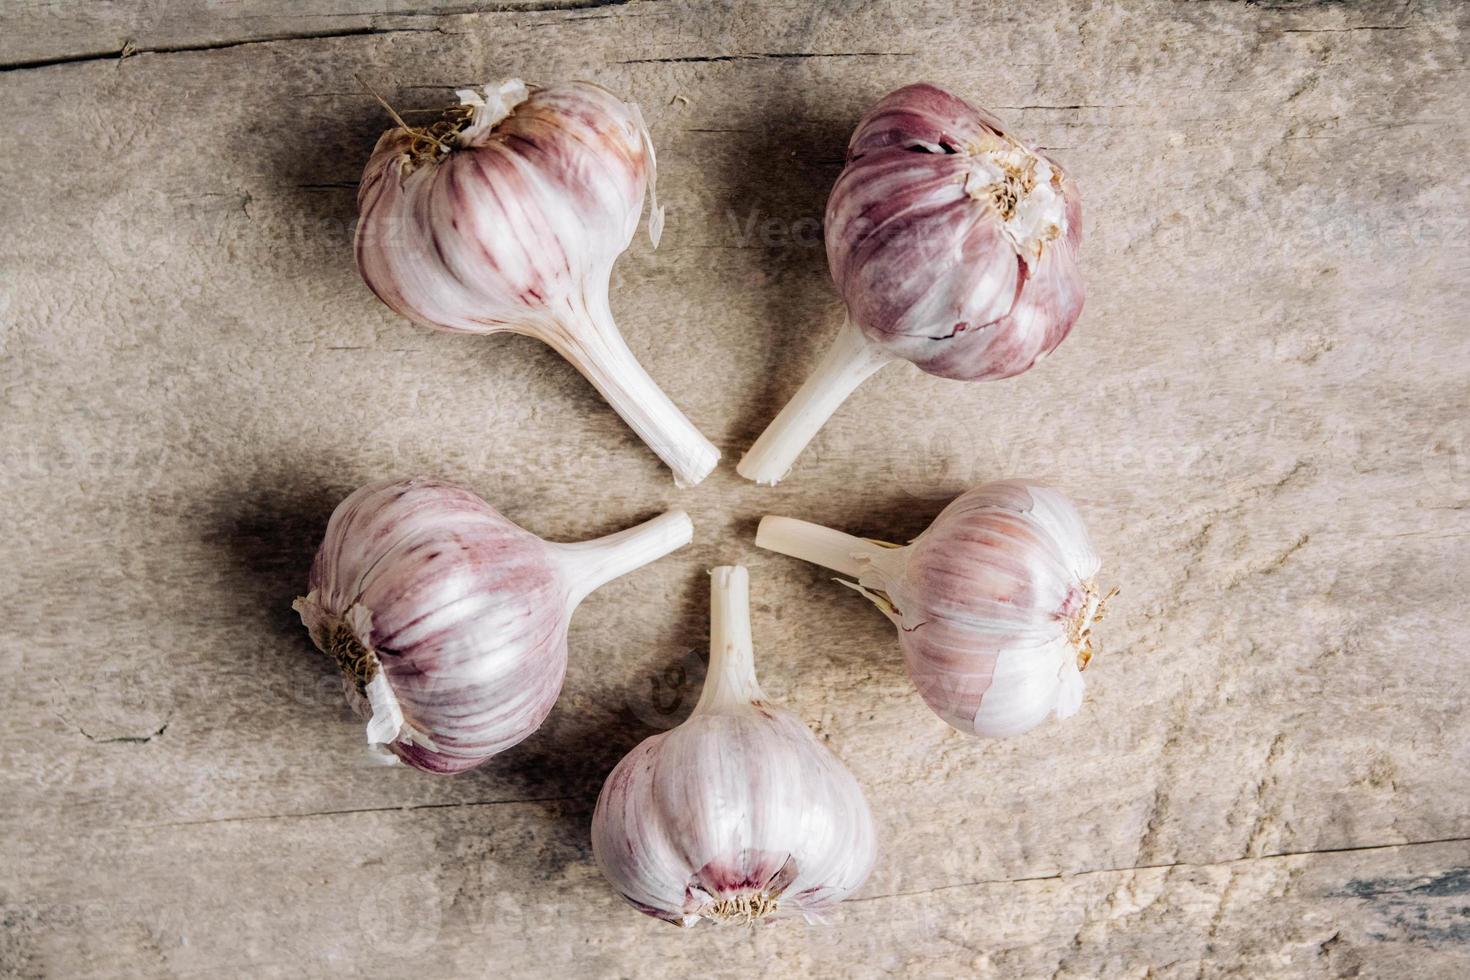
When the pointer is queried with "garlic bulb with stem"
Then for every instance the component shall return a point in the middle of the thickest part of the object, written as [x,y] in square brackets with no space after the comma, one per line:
[953,246]
[995,602]
[739,813]
[448,622]
[507,215]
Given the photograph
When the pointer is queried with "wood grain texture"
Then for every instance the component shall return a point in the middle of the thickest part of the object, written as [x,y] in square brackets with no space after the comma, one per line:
[1261,414]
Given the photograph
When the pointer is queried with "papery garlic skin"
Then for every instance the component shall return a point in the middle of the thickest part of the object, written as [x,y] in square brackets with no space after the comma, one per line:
[739,813]
[448,621]
[953,246]
[995,602]
[508,216]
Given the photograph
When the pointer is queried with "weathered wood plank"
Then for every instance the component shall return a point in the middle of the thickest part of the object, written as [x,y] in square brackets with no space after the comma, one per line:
[466,890]
[1261,415]
[39,32]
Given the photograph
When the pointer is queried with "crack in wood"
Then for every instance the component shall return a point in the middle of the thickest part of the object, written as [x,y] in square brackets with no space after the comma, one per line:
[764,55]
[404,808]
[1078,105]
[130,50]
[1335,30]
[1060,876]
[123,739]
[470,9]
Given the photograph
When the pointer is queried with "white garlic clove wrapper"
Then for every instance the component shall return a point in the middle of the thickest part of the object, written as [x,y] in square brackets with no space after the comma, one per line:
[448,621]
[995,602]
[738,814]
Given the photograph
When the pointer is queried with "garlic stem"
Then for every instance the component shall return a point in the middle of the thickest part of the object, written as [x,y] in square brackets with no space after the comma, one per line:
[588,565]
[849,362]
[595,347]
[843,553]
[730,681]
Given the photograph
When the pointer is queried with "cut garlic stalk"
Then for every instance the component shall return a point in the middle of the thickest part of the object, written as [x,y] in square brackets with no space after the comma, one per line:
[851,360]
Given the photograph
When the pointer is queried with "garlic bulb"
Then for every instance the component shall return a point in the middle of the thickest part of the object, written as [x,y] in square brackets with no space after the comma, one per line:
[449,622]
[739,813]
[953,245]
[995,602]
[507,214]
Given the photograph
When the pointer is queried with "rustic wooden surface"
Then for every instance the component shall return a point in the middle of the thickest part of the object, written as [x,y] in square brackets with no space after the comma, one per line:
[1262,415]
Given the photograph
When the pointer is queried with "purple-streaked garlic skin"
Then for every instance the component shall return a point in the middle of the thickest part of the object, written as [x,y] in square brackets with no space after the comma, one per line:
[994,602]
[514,223]
[461,614]
[930,269]
[953,246]
[737,814]
[1015,558]
[448,582]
